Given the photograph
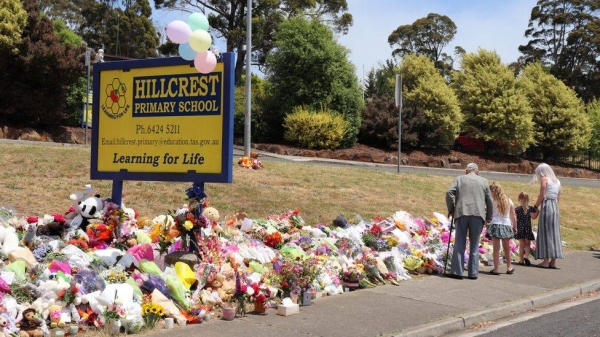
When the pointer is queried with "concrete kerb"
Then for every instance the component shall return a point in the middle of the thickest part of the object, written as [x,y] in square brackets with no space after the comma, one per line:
[504,310]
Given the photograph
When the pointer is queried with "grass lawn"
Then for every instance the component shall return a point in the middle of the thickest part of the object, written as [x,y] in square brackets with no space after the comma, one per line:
[38,179]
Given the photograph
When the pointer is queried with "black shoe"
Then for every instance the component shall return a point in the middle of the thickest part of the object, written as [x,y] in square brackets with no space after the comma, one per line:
[527,262]
[454,276]
[472,277]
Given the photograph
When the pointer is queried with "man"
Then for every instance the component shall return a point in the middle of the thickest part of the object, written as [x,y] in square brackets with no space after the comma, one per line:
[470,204]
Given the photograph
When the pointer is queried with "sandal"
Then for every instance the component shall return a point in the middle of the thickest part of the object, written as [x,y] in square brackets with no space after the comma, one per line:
[521,263]
[510,272]
[494,273]
[542,266]
[527,262]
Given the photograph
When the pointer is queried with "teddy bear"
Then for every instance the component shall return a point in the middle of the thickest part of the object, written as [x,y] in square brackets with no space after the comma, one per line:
[87,209]
[3,322]
[29,325]
[55,316]
[212,214]
[217,285]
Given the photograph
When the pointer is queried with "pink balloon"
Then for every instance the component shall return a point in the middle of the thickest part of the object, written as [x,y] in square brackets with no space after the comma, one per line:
[179,31]
[205,62]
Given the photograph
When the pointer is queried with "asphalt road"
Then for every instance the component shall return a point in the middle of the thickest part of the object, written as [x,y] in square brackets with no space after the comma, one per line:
[524,178]
[580,320]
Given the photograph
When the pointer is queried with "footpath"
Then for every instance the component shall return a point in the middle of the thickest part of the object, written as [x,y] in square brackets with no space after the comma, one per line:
[425,306]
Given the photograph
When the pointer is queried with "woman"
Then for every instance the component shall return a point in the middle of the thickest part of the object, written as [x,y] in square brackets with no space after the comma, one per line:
[548,243]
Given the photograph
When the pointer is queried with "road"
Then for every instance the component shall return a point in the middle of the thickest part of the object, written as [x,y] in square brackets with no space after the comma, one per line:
[574,318]
[523,178]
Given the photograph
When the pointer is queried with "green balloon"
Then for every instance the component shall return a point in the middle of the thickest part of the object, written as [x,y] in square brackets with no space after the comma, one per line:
[198,21]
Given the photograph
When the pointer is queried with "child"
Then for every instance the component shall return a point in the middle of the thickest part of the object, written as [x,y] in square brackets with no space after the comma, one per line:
[502,227]
[524,233]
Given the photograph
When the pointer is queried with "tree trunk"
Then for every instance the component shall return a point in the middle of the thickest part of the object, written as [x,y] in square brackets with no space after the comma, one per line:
[239,65]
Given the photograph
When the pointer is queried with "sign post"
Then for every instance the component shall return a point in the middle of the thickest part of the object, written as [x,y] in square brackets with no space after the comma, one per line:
[87,94]
[398,97]
[161,120]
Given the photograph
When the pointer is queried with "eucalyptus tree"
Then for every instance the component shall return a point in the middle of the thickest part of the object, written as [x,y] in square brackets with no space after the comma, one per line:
[564,35]
[426,36]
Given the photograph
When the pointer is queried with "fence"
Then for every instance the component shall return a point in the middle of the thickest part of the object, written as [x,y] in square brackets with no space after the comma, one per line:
[589,160]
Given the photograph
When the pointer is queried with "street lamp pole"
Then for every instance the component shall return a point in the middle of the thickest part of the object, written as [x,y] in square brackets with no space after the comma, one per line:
[247,125]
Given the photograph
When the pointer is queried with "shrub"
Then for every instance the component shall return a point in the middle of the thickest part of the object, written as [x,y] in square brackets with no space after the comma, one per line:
[380,123]
[314,130]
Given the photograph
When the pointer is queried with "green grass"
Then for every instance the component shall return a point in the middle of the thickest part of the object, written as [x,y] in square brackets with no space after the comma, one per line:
[37,180]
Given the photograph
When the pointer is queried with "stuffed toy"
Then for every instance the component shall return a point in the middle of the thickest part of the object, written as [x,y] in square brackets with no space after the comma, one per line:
[207,299]
[3,322]
[87,209]
[212,214]
[55,316]
[217,285]
[29,325]
[53,225]
[29,237]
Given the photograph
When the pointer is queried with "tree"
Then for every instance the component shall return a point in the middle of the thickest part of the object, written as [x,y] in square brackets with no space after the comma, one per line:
[561,125]
[227,20]
[66,35]
[127,31]
[34,82]
[431,111]
[492,106]
[309,68]
[564,36]
[381,81]
[593,111]
[426,36]
[12,22]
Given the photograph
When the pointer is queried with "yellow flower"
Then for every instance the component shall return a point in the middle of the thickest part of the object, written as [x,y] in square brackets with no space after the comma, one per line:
[188,225]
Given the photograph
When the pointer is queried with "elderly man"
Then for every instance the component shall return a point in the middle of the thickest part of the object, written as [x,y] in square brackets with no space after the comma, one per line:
[469,202]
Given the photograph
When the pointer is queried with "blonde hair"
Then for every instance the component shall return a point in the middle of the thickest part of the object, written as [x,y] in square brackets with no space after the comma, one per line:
[500,199]
[524,201]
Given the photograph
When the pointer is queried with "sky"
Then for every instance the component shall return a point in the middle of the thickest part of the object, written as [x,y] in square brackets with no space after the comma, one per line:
[489,24]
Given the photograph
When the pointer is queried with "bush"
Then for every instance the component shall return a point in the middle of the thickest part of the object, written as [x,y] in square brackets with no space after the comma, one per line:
[380,123]
[314,130]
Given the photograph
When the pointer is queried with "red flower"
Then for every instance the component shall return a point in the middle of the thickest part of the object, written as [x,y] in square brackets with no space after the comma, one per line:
[255,287]
[296,211]
[59,218]
[32,219]
[244,288]
[261,297]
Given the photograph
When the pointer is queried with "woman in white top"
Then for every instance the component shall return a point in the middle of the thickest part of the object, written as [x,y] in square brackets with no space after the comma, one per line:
[502,227]
[548,242]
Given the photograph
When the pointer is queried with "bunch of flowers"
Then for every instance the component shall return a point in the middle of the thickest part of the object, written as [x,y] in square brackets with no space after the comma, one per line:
[114,274]
[347,247]
[114,311]
[164,232]
[352,274]
[151,313]
[79,242]
[69,295]
[274,240]
[297,274]
[287,221]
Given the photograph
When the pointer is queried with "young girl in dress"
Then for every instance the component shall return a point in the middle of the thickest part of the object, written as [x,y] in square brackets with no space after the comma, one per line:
[525,214]
[502,227]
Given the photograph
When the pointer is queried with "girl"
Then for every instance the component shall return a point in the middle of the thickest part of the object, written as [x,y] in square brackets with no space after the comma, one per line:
[548,244]
[524,233]
[502,227]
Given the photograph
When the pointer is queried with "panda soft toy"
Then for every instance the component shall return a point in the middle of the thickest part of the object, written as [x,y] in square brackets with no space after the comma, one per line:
[87,209]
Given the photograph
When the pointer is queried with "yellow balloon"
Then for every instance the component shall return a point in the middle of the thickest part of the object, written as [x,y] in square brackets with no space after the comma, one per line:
[200,40]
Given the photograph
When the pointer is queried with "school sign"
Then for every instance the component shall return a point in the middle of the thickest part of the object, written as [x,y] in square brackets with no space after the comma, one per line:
[162,120]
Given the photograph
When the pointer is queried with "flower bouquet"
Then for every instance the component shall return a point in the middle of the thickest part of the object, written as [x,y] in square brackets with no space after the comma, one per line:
[151,313]
[114,311]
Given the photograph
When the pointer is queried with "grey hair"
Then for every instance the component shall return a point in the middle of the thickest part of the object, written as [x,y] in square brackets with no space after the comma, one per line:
[543,170]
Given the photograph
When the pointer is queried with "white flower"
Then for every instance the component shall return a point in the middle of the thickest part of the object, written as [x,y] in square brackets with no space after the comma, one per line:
[250,291]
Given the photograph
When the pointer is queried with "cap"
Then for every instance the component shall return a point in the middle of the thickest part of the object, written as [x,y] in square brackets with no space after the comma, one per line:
[472,167]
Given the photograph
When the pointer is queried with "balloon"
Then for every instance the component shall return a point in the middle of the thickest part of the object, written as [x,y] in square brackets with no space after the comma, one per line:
[198,21]
[200,40]
[178,31]
[205,62]
[186,52]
